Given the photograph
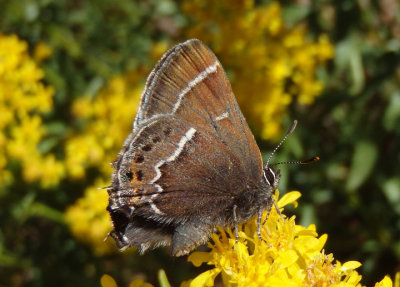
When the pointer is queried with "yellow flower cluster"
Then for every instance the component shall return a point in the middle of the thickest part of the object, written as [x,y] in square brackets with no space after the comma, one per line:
[109,118]
[292,255]
[269,64]
[89,220]
[24,99]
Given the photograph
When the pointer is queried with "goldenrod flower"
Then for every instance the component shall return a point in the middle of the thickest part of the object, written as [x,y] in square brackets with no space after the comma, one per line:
[108,281]
[24,100]
[89,221]
[109,119]
[42,52]
[292,255]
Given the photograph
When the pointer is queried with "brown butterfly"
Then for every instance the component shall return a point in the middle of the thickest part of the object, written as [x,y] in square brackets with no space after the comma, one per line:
[191,162]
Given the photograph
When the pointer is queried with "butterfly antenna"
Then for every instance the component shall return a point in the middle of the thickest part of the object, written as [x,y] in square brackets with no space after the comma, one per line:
[307,161]
[281,142]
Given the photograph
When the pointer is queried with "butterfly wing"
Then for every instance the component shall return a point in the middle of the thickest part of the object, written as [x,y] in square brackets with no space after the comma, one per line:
[190,153]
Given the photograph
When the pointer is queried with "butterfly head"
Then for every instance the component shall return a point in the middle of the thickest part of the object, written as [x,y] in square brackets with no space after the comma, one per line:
[272,176]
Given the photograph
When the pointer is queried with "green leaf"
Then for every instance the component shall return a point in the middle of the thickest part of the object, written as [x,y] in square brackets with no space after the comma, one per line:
[42,210]
[392,113]
[348,60]
[295,13]
[364,158]
[391,189]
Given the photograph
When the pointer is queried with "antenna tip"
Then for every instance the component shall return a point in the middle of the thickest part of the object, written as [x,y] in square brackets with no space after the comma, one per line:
[311,160]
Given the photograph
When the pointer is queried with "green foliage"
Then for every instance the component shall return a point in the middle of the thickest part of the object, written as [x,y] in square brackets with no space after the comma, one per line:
[355,128]
[91,40]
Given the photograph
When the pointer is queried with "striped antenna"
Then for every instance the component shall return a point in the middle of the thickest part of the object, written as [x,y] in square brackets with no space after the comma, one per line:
[281,142]
[307,161]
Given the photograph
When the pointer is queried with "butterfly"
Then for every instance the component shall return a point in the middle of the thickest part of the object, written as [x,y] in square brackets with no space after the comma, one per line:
[191,162]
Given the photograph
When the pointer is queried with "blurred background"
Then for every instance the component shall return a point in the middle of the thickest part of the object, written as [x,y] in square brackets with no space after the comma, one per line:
[71,74]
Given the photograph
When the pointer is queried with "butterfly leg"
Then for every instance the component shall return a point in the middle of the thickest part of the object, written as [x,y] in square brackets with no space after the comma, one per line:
[269,211]
[277,207]
[266,218]
[236,224]
[259,225]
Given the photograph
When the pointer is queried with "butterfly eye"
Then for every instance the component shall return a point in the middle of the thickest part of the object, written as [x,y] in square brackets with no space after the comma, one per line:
[269,176]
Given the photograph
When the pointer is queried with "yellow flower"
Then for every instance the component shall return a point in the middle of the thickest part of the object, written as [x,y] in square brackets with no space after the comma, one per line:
[89,220]
[139,283]
[108,281]
[24,99]
[42,52]
[387,282]
[106,129]
[292,255]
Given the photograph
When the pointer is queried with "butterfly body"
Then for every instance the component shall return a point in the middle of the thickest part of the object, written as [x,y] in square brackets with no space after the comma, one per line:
[191,162]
